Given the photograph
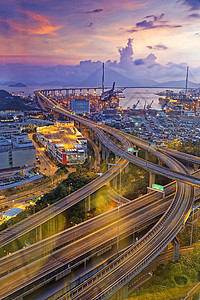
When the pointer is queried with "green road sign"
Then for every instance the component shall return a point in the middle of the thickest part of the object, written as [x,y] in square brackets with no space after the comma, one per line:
[130,149]
[157,187]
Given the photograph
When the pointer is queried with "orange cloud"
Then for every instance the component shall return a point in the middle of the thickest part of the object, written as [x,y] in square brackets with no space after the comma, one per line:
[41,26]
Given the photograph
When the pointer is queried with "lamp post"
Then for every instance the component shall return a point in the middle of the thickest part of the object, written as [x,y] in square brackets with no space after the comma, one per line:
[120,191]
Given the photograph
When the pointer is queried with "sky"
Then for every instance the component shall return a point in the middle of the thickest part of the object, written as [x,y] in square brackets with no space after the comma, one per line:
[132,36]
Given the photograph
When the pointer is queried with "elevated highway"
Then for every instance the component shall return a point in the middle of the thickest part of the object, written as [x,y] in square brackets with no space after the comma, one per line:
[142,253]
[181,155]
[53,255]
[135,259]
[157,169]
[12,233]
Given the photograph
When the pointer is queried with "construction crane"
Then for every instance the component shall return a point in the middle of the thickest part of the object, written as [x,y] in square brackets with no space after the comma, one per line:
[135,105]
[108,94]
[149,105]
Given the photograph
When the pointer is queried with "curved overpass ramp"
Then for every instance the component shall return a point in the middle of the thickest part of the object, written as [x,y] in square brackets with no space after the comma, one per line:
[129,264]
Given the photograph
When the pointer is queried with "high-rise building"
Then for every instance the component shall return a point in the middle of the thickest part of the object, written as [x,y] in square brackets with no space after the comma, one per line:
[80,106]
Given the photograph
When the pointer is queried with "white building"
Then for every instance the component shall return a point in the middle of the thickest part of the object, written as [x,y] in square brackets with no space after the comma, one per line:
[62,142]
[17,152]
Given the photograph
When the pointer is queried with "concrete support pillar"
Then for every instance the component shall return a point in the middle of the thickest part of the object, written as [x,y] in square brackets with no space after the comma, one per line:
[106,154]
[40,232]
[151,179]
[87,203]
[94,138]
[125,292]
[176,247]
[116,158]
[196,166]
[103,152]
[80,126]
[92,134]
[121,294]
[97,142]
[133,230]
[146,155]
[99,145]
[115,183]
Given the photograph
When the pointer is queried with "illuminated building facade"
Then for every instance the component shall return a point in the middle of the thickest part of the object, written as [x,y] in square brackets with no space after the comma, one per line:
[64,142]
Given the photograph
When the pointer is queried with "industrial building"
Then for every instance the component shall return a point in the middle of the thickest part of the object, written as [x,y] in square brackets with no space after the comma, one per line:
[16,152]
[80,106]
[63,142]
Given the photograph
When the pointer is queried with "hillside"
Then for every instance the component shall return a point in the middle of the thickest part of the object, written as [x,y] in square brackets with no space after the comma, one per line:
[9,102]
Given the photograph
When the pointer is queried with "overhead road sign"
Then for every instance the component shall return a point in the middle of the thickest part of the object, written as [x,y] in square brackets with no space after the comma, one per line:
[157,187]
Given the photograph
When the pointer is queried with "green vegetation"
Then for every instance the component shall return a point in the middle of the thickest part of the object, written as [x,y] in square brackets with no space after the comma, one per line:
[136,180]
[188,146]
[173,280]
[185,234]
[76,214]
[74,181]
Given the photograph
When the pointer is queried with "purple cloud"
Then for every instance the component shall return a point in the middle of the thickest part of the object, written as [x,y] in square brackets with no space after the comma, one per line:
[195,16]
[194,4]
[145,24]
[96,11]
[126,52]
[157,22]
[139,62]
[155,17]
[158,47]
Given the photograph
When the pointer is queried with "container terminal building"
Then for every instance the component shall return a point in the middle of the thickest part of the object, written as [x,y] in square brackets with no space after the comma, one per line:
[63,142]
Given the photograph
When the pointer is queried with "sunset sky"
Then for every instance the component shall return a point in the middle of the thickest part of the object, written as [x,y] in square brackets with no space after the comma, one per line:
[65,32]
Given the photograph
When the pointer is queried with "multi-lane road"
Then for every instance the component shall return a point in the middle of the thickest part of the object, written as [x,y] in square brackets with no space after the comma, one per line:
[130,263]
[143,252]
[157,169]
[54,253]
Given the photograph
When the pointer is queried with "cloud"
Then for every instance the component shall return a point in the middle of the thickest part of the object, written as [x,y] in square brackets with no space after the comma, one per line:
[195,16]
[158,47]
[35,24]
[193,4]
[96,11]
[156,22]
[126,52]
[145,24]
[156,18]
[144,70]
[139,62]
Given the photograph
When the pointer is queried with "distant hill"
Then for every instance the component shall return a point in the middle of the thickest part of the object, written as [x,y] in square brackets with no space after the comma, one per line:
[179,84]
[3,94]
[19,84]
[9,102]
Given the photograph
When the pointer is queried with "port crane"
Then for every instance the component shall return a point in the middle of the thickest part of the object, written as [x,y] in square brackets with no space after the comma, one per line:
[135,105]
[149,105]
